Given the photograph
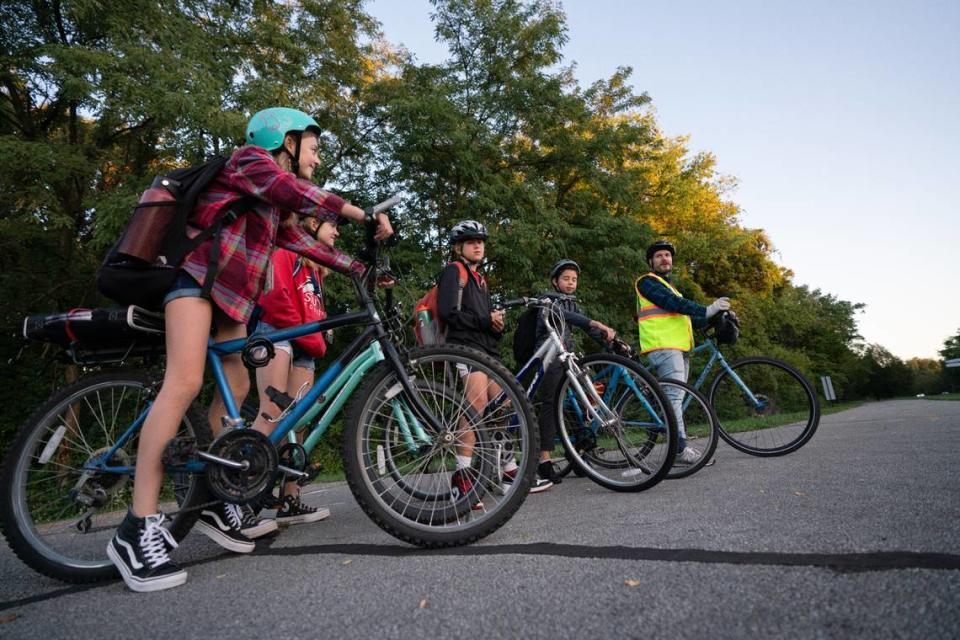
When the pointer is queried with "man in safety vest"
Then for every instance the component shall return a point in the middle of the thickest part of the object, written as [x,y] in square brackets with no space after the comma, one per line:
[665,321]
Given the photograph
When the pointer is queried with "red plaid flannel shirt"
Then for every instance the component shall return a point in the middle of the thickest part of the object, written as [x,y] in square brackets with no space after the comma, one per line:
[246,243]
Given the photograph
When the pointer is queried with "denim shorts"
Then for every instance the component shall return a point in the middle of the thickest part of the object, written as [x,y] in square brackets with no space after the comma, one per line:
[185,286]
[299,357]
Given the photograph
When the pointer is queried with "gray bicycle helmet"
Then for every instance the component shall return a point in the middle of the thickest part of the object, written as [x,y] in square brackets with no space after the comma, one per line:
[563,265]
[467,230]
[661,245]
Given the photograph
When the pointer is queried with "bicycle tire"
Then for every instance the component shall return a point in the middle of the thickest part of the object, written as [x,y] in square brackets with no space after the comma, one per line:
[440,520]
[630,459]
[785,417]
[701,427]
[47,531]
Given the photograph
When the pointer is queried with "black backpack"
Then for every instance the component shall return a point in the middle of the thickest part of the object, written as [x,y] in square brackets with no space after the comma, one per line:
[525,337]
[142,266]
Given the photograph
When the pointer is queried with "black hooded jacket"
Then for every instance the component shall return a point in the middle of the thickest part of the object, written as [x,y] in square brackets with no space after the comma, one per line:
[470,324]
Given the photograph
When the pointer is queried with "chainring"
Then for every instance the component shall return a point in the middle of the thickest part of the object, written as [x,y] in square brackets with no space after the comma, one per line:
[242,486]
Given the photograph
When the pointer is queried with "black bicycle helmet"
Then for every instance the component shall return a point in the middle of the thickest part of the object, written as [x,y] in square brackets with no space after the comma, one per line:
[660,245]
[726,327]
[467,230]
[563,265]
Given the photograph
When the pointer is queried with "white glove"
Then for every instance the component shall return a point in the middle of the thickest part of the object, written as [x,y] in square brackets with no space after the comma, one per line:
[718,305]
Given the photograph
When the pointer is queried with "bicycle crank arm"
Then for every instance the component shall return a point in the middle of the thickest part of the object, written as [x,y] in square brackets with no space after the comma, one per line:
[287,471]
[243,466]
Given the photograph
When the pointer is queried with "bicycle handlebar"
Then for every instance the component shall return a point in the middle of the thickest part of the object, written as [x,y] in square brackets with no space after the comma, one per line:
[545,300]
[369,252]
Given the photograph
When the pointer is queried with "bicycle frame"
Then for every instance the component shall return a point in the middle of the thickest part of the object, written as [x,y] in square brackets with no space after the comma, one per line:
[717,357]
[340,380]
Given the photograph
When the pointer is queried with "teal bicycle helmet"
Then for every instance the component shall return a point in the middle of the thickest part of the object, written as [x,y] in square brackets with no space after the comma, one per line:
[267,129]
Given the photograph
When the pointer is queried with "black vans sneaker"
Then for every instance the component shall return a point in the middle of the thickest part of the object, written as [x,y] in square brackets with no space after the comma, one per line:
[140,552]
[222,523]
[540,485]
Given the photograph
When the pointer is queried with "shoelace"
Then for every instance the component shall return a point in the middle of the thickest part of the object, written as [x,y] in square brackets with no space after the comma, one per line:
[298,507]
[249,517]
[233,514]
[154,540]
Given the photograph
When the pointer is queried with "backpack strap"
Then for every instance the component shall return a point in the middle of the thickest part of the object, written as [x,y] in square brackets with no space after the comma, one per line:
[186,186]
[464,274]
[234,210]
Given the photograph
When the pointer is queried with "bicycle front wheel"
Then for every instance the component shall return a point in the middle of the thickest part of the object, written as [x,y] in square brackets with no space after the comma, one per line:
[406,475]
[699,423]
[765,407]
[624,437]
[62,499]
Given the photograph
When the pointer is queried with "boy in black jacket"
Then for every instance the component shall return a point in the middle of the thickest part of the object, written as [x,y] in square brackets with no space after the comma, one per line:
[564,277]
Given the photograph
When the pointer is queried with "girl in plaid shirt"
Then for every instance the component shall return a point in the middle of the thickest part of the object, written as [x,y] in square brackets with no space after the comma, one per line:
[275,168]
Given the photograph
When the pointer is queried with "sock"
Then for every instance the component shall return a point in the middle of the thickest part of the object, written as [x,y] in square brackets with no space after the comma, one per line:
[463,462]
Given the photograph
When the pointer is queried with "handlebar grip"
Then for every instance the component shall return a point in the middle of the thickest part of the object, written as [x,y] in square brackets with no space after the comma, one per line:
[516,302]
[386,204]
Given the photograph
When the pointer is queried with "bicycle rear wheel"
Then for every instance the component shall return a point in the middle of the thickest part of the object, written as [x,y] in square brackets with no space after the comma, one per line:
[699,424]
[56,511]
[765,407]
[401,472]
[635,449]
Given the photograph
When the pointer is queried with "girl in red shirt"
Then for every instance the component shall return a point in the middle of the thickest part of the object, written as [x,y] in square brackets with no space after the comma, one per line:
[295,298]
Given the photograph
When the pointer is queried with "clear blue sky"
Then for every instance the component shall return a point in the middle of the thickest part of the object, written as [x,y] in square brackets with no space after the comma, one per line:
[841,121]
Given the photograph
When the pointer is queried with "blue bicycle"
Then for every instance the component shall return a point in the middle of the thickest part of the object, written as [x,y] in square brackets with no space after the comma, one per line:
[761,406]
[66,477]
[764,406]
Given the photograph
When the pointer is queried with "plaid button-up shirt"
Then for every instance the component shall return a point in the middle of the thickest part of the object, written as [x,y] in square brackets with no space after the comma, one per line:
[246,243]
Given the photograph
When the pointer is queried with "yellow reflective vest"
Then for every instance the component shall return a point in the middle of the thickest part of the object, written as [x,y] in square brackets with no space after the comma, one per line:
[659,328]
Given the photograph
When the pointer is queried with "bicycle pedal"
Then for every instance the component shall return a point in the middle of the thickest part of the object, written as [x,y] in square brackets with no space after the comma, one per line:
[279,398]
[313,470]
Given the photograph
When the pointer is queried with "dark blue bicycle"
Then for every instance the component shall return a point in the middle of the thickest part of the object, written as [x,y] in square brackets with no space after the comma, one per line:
[66,478]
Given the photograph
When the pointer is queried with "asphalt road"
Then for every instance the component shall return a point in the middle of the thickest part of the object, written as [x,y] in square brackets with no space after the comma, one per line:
[856,535]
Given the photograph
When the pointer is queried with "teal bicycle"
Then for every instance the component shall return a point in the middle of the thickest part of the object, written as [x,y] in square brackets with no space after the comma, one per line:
[66,479]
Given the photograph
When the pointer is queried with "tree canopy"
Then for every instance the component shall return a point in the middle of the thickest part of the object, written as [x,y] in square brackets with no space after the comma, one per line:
[97,98]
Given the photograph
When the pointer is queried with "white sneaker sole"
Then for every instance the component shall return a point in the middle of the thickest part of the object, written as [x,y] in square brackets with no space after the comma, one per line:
[262,528]
[144,586]
[223,539]
[541,488]
[307,518]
